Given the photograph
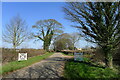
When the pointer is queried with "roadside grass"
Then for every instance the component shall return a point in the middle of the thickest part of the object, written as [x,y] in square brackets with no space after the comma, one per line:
[77,70]
[69,54]
[11,66]
[84,55]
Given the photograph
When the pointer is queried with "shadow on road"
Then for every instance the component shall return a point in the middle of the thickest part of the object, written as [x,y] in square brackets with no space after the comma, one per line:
[53,67]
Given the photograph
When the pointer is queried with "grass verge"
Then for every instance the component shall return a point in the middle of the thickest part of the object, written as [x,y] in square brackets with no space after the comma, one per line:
[70,54]
[77,70]
[20,64]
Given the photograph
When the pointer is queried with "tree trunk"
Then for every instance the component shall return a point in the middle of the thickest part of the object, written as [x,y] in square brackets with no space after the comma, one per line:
[46,46]
[110,63]
[14,46]
[109,60]
[14,49]
[73,46]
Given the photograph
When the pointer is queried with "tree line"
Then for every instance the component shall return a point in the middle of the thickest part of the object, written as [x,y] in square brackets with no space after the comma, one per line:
[16,32]
[98,23]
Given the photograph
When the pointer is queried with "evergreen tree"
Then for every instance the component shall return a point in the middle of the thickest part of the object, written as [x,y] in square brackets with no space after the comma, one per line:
[99,22]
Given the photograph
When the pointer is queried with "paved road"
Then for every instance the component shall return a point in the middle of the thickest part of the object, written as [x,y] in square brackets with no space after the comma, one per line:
[51,67]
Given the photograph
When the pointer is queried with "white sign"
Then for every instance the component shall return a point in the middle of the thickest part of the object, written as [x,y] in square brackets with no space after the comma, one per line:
[22,56]
[78,56]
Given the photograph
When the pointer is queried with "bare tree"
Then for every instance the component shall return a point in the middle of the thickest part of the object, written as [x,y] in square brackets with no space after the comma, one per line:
[15,32]
[63,42]
[75,37]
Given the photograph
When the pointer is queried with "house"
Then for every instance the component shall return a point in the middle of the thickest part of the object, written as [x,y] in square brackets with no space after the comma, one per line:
[79,49]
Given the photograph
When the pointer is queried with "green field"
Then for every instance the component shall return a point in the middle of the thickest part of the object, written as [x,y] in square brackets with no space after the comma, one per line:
[11,66]
[76,70]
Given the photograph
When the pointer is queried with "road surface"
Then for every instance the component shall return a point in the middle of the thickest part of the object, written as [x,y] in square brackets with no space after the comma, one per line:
[52,67]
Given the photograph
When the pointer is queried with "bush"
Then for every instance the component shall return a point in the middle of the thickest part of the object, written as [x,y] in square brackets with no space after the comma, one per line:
[9,55]
[99,56]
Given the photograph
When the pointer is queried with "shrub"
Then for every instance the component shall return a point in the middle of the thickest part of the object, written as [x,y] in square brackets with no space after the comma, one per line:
[9,55]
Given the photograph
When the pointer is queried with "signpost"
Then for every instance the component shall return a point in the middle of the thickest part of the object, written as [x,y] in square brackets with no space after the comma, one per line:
[78,56]
[22,56]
